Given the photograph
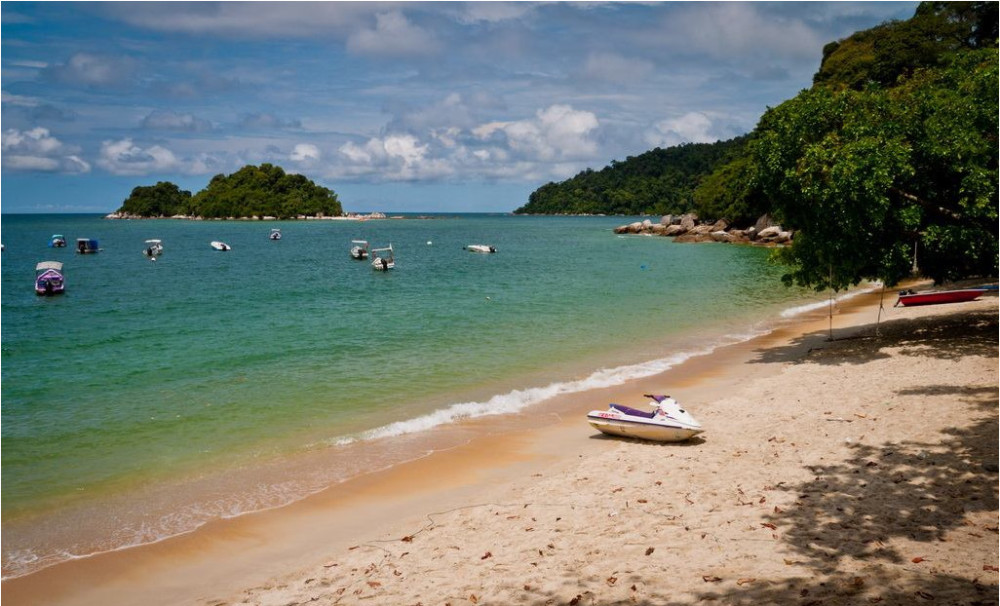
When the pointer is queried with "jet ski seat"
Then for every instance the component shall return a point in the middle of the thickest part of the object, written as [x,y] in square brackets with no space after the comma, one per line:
[633,412]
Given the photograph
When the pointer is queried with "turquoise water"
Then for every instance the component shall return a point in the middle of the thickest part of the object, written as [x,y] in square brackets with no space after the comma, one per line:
[150,396]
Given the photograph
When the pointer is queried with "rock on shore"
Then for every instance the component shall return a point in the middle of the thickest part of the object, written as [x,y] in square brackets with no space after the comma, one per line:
[688,228]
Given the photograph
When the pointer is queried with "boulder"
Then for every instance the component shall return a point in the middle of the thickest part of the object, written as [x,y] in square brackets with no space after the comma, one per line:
[720,225]
[688,221]
[768,232]
[674,230]
[722,236]
[763,223]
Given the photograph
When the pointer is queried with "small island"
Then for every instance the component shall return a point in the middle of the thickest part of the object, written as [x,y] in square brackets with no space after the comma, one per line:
[253,192]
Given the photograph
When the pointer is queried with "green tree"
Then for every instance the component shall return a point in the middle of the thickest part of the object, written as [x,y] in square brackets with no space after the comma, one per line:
[161,200]
[868,176]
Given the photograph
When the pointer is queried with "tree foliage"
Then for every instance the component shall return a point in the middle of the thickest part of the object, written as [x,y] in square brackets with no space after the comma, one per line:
[897,49]
[659,181]
[252,191]
[161,200]
[870,178]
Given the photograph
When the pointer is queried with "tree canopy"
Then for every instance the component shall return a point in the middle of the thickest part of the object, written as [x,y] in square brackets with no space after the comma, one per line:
[252,191]
[873,178]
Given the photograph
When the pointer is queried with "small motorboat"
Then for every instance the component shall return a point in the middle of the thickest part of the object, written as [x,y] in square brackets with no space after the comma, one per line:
[481,248]
[87,246]
[275,234]
[49,278]
[909,298]
[359,250]
[382,259]
[667,422]
[57,241]
[154,248]
[221,245]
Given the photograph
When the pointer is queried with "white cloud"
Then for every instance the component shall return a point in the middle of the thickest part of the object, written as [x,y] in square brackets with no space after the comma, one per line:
[393,36]
[37,150]
[393,157]
[124,157]
[692,127]
[305,152]
[556,132]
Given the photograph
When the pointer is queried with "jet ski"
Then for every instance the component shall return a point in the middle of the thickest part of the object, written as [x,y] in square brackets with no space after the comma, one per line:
[667,422]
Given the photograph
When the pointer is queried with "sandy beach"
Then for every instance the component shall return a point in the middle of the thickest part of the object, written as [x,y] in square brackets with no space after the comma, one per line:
[861,470]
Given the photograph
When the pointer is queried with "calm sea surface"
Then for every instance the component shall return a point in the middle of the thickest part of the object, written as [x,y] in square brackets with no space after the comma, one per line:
[154,396]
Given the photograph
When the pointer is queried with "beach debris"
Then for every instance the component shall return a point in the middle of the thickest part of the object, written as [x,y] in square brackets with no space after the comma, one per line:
[650,550]
[329,565]
[611,581]
[710,578]
[917,560]
[407,539]
[924,595]
[473,598]
[769,525]
[988,568]
[745,581]
[486,555]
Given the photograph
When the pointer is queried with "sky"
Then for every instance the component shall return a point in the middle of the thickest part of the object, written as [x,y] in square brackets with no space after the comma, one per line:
[397,107]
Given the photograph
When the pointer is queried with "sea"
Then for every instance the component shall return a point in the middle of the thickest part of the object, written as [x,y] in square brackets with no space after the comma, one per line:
[156,396]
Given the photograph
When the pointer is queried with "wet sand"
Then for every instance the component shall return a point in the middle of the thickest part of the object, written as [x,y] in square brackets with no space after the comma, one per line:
[858,470]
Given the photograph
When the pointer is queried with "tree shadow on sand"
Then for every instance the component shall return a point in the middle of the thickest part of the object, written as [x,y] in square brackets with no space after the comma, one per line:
[844,521]
[948,337]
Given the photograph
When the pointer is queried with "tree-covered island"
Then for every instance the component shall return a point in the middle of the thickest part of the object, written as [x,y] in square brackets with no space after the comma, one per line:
[251,192]
[890,156]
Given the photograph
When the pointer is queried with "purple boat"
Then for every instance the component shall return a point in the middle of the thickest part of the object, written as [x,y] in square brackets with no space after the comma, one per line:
[49,279]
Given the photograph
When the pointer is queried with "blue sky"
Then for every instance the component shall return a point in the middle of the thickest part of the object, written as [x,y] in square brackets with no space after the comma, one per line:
[411,106]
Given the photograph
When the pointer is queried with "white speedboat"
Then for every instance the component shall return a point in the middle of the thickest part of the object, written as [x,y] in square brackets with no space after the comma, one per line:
[382,259]
[360,249]
[667,422]
[275,234]
[154,248]
[221,245]
[481,248]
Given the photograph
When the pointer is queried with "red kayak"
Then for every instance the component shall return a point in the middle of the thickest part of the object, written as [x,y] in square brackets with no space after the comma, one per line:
[908,298]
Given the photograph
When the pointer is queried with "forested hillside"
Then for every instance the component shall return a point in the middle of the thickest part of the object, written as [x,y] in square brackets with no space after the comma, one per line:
[657,182]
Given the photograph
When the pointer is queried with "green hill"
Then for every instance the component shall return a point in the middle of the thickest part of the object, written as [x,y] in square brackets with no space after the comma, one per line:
[252,191]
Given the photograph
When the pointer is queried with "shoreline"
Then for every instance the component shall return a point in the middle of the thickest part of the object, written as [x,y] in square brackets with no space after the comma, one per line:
[227,557]
[396,443]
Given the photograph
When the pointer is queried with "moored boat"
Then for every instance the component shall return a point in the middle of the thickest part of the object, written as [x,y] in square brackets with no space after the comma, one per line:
[359,250]
[57,241]
[909,298]
[87,246]
[217,245]
[481,248]
[667,422]
[275,234]
[49,278]
[154,248]
[382,259]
